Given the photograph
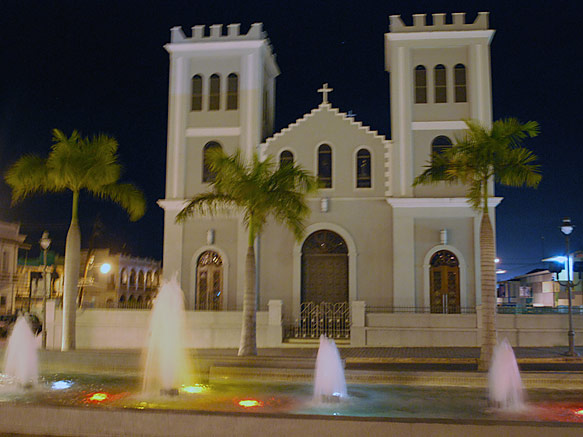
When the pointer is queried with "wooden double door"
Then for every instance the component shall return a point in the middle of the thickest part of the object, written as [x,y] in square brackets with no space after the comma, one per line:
[445,283]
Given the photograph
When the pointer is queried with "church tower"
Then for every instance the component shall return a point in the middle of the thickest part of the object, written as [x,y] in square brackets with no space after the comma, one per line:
[439,76]
[221,94]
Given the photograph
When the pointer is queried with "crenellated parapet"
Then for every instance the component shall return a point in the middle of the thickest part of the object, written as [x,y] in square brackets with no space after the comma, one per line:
[218,32]
[458,22]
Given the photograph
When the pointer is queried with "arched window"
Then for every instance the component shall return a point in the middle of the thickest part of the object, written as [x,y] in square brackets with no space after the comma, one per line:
[196,104]
[141,279]
[440,84]
[363,169]
[459,76]
[207,174]
[325,166]
[133,279]
[215,93]
[439,144]
[420,84]
[286,158]
[232,91]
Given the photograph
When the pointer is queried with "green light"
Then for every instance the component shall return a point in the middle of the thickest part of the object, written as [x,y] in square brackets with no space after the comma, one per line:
[250,403]
[193,388]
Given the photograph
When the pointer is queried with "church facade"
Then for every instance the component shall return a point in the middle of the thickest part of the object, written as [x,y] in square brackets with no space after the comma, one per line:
[372,237]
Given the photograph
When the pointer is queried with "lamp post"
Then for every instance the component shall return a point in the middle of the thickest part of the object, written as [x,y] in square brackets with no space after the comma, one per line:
[45,242]
[567,229]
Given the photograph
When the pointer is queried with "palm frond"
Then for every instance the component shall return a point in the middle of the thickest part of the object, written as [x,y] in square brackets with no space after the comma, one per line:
[484,152]
[128,196]
[27,176]
[258,188]
[206,204]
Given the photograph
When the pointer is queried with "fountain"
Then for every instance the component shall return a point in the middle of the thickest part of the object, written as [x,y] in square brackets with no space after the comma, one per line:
[21,360]
[329,381]
[505,384]
[167,365]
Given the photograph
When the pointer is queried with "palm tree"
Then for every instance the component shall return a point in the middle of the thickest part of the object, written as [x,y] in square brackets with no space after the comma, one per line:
[75,164]
[486,153]
[257,190]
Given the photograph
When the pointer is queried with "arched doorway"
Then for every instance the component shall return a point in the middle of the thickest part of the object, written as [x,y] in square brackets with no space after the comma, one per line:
[324,307]
[324,268]
[444,280]
[209,282]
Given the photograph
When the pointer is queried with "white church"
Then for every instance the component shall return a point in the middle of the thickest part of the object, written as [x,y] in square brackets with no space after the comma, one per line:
[381,262]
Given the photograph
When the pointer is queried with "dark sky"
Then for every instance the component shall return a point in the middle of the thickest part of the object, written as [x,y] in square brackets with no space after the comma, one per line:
[100,66]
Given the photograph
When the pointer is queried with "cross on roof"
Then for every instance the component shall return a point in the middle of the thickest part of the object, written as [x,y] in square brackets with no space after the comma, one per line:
[325,90]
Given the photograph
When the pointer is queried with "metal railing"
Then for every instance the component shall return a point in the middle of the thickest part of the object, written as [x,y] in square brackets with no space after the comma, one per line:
[330,319]
[423,310]
[528,309]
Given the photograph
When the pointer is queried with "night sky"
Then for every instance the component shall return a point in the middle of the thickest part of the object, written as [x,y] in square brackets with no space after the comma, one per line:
[100,66]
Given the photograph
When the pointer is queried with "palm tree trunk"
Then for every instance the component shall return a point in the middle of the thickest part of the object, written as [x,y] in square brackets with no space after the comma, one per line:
[72,264]
[248,345]
[488,283]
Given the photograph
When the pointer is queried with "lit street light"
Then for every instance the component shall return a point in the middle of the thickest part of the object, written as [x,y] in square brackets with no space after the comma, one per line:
[567,229]
[45,243]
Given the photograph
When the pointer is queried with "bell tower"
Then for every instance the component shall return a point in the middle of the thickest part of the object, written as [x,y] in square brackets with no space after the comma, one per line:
[439,76]
[221,94]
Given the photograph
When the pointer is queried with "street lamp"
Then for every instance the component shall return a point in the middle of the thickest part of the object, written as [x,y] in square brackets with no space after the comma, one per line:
[45,242]
[567,229]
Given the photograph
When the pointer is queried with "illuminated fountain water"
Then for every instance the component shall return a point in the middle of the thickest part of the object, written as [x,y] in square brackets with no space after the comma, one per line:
[21,359]
[167,365]
[329,381]
[506,389]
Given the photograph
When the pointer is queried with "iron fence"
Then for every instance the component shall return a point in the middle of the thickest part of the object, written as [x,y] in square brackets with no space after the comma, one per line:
[325,318]
[400,309]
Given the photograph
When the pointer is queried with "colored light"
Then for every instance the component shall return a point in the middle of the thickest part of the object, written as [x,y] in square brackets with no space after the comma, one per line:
[61,385]
[98,397]
[193,389]
[105,268]
[250,403]
[580,412]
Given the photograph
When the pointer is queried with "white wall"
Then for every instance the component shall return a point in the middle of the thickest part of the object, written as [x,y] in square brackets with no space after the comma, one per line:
[128,329]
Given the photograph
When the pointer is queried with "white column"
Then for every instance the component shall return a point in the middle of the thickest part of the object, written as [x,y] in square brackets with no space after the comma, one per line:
[403,260]
[402,165]
[177,98]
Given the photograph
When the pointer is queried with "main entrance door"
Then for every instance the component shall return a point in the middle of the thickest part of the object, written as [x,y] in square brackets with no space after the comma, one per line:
[324,305]
[445,283]
[324,268]
[209,282]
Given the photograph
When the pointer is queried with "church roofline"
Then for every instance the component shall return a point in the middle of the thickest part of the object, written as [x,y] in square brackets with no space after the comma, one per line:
[328,107]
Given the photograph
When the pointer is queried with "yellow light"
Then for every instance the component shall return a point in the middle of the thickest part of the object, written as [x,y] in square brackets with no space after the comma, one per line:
[249,403]
[105,268]
[193,388]
[580,412]
[98,397]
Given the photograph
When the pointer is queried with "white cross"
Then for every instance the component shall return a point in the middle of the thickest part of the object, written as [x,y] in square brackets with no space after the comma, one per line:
[325,90]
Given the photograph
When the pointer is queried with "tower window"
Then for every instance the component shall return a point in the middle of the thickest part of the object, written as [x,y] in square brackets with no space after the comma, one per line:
[363,169]
[440,84]
[460,83]
[215,93]
[286,158]
[440,144]
[420,84]
[232,91]
[196,104]
[207,174]
[325,166]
